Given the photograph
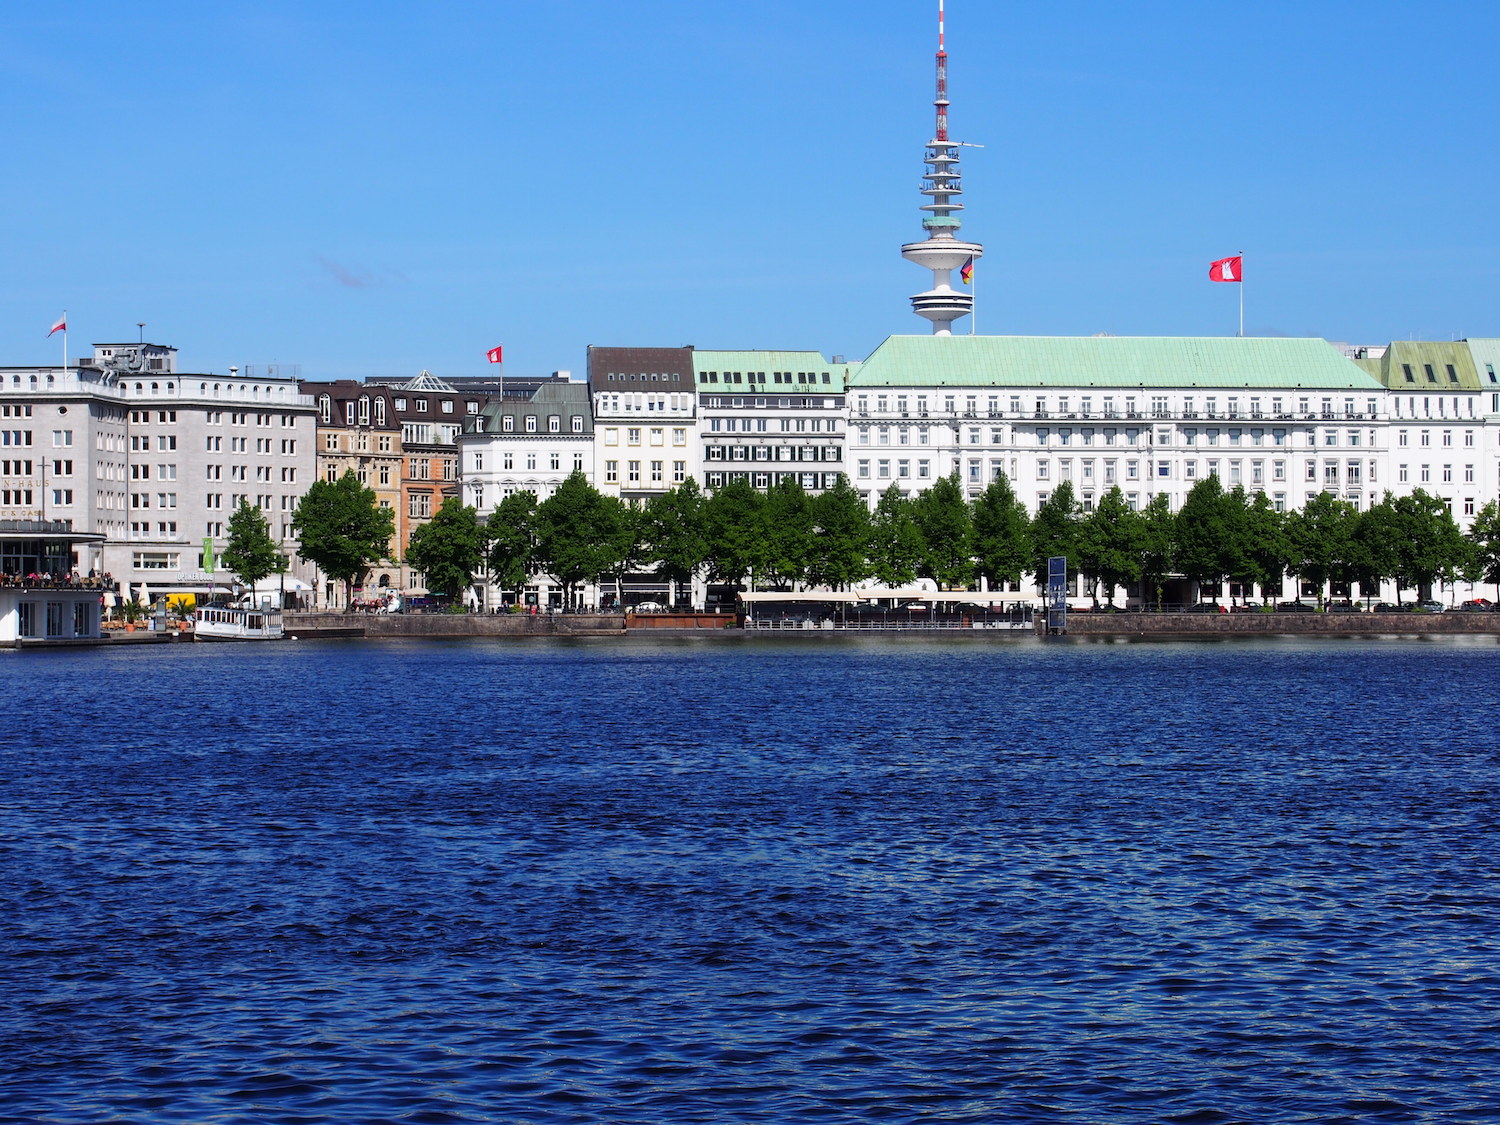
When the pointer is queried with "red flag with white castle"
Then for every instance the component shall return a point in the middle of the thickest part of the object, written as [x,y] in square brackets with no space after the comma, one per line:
[1225,269]
[494,354]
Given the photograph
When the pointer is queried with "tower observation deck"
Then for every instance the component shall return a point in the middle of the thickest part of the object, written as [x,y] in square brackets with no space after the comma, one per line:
[942,252]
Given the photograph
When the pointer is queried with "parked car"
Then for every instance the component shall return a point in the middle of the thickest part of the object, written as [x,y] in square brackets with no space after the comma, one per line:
[1294,607]
[649,607]
[1431,606]
[1205,607]
[1389,607]
[1477,605]
[1344,606]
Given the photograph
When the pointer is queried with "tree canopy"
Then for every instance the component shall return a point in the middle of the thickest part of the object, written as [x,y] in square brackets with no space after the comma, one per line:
[579,534]
[449,549]
[342,530]
[251,553]
[511,532]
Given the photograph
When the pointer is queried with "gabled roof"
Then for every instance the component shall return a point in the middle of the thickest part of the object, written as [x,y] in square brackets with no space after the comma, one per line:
[1123,362]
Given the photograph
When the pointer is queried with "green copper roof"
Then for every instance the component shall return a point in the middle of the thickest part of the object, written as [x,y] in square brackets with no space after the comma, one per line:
[1486,356]
[1109,361]
[768,372]
[1423,365]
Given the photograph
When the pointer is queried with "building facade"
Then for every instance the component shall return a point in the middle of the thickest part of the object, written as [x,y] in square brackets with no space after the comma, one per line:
[645,420]
[154,460]
[359,432]
[766,416]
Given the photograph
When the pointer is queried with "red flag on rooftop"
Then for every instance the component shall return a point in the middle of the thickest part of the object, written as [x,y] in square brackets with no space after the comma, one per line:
[1225,269]
[494,354]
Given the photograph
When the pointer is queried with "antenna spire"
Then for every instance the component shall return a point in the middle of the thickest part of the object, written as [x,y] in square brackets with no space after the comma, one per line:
[942,252]
[941,102]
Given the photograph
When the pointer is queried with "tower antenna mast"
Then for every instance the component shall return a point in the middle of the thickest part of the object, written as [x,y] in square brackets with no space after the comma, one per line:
[941,102]
[942,252]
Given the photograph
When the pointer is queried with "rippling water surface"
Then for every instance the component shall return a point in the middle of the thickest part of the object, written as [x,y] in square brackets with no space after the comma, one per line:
[733,880]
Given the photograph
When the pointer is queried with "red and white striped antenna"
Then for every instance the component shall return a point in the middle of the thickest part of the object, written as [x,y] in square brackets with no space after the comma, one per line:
[941,103]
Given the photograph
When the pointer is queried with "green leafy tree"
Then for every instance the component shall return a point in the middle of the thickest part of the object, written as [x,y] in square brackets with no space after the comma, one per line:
[896,545]
[1484,534]
[677,533]
[1054,533]
[342,530]
[630,543]
[1268,553]
[578,534]
[1427,543]
[1321,541]
[1110,543]
[787,542]
[736,518]
[841,529]
[448,549]
[251,553]
[1002,534]
[1204,533]
[942,517]
[1158,548]
[1238,547]
[511,532]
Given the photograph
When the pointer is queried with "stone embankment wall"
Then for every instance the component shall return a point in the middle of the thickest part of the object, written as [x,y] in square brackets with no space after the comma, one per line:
[1242,624]
[314,625]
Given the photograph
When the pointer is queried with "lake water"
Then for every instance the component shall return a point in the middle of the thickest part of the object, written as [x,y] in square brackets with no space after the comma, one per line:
[732,879]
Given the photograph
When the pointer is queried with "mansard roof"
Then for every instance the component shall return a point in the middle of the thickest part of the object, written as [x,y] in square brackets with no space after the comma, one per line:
[1425,365]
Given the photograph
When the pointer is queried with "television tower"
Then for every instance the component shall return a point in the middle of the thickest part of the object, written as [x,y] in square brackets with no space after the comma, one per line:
[942,252]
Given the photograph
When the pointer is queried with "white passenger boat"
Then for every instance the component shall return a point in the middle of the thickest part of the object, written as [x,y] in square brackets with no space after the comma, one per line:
[237,623]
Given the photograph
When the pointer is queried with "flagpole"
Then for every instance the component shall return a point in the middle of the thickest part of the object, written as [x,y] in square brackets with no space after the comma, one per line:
[1242,294]
[974,306]
[65,343]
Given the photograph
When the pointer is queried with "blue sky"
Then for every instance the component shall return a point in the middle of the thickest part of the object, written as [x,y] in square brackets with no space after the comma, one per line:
[377,188]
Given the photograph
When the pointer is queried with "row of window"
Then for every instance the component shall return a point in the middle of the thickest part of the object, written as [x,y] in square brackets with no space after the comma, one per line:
[1110,406]
[762,425]
[655,469]
[758,378]
[359,412]
[531,424]
[809,481]
[508,460]
[773,453]
[655,435]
